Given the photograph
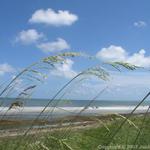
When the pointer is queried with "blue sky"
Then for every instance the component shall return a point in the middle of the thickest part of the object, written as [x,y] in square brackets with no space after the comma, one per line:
[110,30]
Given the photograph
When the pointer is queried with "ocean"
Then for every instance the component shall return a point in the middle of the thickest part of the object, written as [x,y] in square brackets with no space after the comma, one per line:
[6,102]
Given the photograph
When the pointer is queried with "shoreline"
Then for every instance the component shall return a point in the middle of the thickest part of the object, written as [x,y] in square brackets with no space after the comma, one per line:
[30,113]
[103,109]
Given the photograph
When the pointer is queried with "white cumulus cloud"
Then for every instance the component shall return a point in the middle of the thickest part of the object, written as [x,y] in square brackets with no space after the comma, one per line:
[112,53]
[64,70]
[117,53]
[6,68]
[29,36]
[50,17]
[140,24]
[140,59]
[58,45]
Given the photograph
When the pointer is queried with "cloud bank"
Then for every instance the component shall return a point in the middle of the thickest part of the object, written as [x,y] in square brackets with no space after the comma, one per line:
[64,70]
[55,46]
[140,24]
[117,53]
[29,36]
[50,17]
[6,68]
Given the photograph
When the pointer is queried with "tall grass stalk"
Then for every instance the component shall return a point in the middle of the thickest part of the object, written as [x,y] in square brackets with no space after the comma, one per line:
[142,126]
[124,121]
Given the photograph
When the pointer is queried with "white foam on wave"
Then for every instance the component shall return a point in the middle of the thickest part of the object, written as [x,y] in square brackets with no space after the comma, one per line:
[69,110]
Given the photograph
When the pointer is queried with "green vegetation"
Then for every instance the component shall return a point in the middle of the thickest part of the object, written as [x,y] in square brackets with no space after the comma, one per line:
[89,138]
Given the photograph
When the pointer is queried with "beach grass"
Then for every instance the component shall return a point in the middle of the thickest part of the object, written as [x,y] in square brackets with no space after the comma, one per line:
[87,138]
[118,132]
